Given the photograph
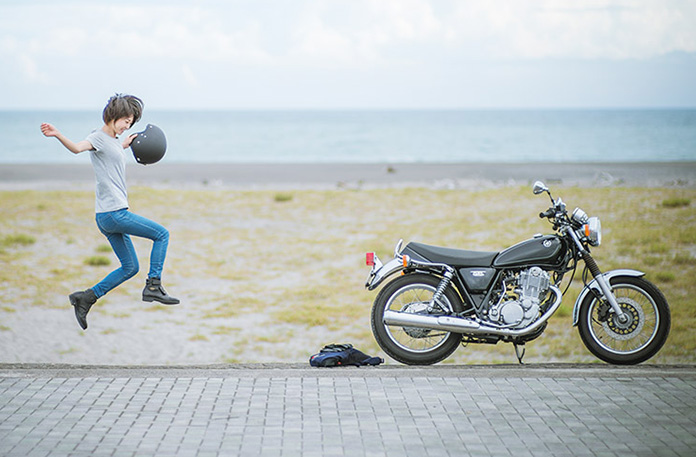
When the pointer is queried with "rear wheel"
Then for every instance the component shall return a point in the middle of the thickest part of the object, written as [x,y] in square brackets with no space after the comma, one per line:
[639,337]
[413,293]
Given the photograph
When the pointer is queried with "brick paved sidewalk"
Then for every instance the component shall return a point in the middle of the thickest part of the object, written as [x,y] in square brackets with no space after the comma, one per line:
[291,410]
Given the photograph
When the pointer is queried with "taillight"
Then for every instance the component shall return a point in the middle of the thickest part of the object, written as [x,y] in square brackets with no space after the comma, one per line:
[370,259]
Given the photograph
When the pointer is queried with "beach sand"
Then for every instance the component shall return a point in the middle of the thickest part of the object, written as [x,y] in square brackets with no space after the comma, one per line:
[268,260]
[323,176]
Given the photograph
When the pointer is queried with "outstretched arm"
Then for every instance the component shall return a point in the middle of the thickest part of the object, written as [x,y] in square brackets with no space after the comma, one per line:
[50,131]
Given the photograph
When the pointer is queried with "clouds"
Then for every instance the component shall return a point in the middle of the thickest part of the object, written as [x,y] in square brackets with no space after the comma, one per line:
[602,30]
[198,45]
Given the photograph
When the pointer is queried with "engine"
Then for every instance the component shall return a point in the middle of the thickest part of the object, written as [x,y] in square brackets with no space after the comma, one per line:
[521,307]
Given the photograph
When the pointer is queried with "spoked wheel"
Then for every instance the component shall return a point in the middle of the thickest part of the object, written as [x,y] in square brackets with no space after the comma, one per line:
[635,339]
[411,345]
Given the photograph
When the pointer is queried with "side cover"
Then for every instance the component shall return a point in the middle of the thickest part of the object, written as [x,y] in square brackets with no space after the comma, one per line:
[477,279]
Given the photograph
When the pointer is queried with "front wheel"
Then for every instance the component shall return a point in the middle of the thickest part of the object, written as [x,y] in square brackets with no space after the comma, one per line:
[640,336]
[413,293]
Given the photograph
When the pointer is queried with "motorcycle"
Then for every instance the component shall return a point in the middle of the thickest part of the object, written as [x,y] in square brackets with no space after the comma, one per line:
[446,296]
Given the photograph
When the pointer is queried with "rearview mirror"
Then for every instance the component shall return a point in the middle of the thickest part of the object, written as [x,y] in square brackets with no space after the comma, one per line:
[539,188]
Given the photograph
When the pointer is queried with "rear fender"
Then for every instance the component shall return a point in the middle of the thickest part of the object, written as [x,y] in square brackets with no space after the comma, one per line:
[593,285]
[381,272]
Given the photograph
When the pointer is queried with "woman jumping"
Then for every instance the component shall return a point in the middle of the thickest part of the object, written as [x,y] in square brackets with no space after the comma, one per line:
[113,218]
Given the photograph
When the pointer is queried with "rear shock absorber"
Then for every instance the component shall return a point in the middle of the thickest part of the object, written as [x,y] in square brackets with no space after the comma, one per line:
[444,283]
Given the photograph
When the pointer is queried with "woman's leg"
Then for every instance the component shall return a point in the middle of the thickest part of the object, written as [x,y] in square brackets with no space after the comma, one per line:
[132,224]
[121,243]
[118,226]
[124,250]
[145,228]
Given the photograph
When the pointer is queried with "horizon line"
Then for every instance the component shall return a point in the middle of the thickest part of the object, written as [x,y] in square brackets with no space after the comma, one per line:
[364,109]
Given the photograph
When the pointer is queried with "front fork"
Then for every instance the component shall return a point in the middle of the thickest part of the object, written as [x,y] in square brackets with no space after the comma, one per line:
[599,277]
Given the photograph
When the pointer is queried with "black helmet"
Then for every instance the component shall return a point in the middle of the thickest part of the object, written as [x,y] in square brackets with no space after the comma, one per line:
[150,145]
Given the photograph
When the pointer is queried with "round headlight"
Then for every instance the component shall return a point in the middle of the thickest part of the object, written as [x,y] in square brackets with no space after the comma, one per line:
[593,231]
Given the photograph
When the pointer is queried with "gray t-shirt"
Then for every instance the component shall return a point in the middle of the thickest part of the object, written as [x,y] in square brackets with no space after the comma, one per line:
[109,162]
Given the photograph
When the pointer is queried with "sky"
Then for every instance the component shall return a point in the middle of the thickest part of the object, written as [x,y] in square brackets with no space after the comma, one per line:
[348,54]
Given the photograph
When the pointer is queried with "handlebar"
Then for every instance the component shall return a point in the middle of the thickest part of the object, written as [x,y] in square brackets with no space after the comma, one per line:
[548,213]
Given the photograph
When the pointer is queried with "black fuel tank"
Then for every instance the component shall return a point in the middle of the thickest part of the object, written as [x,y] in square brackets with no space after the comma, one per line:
[546,250]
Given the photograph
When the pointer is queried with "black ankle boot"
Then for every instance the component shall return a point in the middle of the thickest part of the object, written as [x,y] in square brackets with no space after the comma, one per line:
[154,291]
[82,301]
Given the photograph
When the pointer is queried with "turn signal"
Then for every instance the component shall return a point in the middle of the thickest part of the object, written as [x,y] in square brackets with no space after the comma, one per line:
[370,259]
[406,259]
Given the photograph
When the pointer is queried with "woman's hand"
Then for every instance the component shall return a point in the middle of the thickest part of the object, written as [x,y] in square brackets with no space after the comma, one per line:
[49,130]
[127,142]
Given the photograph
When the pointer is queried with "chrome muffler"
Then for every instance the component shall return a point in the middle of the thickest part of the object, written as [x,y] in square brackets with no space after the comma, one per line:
[464,325]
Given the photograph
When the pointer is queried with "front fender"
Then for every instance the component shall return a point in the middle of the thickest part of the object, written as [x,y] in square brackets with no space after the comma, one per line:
[381,272]
[593,285]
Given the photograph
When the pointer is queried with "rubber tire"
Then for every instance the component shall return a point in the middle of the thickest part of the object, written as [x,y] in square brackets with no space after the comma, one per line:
[653,346]
[397,353]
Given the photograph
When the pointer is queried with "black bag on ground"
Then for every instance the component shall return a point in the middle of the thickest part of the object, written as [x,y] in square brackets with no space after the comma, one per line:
[333,355]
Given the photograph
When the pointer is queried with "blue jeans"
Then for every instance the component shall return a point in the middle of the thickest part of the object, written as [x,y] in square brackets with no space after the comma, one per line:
[118,226]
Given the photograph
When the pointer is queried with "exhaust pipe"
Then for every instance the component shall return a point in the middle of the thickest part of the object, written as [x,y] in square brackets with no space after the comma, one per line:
[464,325]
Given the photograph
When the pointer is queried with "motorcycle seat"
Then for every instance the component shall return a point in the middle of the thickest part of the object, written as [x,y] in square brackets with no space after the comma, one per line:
[449,256]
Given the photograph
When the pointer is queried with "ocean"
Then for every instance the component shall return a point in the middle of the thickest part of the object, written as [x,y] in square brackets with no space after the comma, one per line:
[411,136]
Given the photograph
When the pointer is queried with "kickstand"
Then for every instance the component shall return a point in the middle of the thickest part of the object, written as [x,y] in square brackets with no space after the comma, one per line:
[519,352]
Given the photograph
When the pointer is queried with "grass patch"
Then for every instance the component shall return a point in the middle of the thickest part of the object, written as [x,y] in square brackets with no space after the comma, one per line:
[651,260]
[676,202]
[565,310]
[18,240]
[658,248]
[199,337]
[665,276]
[222,312]
[119,314]
[276,337]
[225,330]
[104,248]
[97,261]
[684,259]
[282,197]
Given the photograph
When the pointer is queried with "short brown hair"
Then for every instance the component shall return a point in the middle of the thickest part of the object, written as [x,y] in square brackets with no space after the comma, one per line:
[120,106]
